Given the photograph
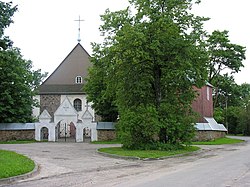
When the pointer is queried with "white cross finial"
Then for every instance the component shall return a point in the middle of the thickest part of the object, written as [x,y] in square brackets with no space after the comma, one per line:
[79,28]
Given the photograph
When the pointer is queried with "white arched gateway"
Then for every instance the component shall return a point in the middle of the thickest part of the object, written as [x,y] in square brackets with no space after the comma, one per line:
[66,124]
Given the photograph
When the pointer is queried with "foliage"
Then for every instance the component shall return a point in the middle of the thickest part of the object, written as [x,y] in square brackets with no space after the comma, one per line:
[96,88]
[219,115]
[13,164]
[233,109]
[18,81]
[234,119]
[219,141]
[148,153]
[6,12]
[223,54]
[148,63]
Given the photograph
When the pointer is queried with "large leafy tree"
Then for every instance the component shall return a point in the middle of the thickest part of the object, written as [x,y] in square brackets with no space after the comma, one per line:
[96,87]
[18,80]
[151,58]
[225,59]
[223,55]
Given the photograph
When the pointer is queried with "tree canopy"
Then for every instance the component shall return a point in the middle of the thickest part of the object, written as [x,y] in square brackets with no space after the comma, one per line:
[151,58]
[18,80]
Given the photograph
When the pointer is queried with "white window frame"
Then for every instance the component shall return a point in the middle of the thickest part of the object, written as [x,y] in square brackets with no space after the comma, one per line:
[78,80]
[208,93]
[77,106]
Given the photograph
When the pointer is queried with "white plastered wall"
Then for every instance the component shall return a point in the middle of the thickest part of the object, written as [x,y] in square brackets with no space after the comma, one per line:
[83,99]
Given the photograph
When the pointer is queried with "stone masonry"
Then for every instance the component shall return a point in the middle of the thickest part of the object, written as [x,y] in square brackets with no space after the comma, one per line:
[104,135]
[6,135]
[208,135]
[50,103]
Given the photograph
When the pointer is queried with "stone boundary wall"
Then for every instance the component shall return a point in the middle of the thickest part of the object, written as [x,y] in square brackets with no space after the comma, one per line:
[208,135]
[7,135]
[17,131]
[104,135]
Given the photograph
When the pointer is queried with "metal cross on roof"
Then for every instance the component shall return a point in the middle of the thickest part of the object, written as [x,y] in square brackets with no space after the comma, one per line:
[79,28]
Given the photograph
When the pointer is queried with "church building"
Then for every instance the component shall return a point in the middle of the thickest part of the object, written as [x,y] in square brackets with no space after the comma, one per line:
[66,82]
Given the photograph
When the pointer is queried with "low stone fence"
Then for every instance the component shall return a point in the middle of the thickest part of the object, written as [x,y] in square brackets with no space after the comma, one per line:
[105,131]
[208,135]
[17,131]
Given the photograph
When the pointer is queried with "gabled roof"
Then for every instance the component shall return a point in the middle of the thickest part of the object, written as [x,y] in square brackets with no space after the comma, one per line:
[61,89]
[62,80]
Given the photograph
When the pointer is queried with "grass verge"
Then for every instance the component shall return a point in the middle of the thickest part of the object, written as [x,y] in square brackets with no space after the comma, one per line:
[13,164]
[146,153]
[107,142]
[18,141]
[219,141]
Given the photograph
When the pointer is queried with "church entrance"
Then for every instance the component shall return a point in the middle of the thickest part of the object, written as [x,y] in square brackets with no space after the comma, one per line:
[44,133]
[66,132]
[87,135]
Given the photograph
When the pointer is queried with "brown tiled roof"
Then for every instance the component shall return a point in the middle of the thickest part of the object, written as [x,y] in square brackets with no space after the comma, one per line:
[61,89]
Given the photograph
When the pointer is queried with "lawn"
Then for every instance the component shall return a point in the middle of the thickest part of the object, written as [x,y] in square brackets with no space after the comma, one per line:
[18,141]
[13,164]
[146,153]
[107,142]
[219,141]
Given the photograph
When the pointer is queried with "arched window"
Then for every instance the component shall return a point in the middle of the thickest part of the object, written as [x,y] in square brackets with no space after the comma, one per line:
[78,104]
[78,80]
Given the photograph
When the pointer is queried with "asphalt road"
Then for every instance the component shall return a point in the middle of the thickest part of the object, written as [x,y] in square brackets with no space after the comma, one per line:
[77,165]
[230,166]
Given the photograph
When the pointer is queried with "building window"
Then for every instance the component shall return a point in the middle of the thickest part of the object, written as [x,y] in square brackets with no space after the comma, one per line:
[78,80]
[78,105]
[208,93]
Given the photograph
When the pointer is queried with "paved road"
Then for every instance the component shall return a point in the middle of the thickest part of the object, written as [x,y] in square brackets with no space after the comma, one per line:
[78,164]
[228,166]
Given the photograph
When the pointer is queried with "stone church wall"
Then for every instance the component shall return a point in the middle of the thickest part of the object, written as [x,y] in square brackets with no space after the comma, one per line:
[7,135]
[50,103]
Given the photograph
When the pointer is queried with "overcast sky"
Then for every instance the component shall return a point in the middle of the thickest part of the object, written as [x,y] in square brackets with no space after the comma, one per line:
[46,32]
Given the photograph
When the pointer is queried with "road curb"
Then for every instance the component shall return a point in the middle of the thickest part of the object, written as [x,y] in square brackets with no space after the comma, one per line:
[13,179]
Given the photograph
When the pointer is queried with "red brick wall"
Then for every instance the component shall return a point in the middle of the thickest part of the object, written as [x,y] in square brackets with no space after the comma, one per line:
[203,104]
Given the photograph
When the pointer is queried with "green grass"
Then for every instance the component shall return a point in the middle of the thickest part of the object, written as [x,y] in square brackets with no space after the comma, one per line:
[146,153]
[107,142]
[219,141]
[13,164]
[18,141]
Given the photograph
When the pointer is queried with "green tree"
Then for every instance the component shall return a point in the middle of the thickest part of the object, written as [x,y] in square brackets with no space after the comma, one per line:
[223,55]
[233,106]
[18,81]
[225,59]
[151,60]
[6,12]
[96,87]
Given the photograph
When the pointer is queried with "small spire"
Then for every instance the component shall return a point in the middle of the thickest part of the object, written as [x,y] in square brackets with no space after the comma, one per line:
[79,28]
